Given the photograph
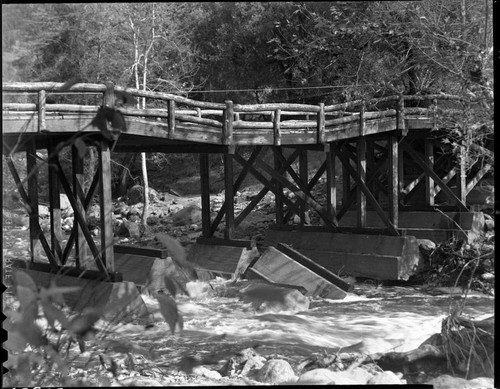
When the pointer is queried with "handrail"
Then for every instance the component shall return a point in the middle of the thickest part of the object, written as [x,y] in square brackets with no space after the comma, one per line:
[227,118]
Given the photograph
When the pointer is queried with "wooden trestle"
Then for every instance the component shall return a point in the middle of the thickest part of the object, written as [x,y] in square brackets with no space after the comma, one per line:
[390,156]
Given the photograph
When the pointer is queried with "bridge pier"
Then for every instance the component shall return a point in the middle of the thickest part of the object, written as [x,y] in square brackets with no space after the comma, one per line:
[80,254]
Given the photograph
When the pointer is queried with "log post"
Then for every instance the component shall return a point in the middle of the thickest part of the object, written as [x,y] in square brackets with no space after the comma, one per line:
[229,192]
[393,181]
[54,203]
[279,188]
[227,127]
[304,178]
[109,95]
[321,123]
[331,182]
[171,119]
[435,114]
[361,167]
[106,207]
[205,195]
[276,127]
[429,182]
[400,117]
[81,248]
[32,172]
[362,120]
[42,125]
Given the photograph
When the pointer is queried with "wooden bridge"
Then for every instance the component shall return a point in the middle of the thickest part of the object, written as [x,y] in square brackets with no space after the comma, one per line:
[396,172]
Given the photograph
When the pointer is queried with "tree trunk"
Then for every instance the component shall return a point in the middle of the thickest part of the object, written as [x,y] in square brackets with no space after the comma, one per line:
[145,211]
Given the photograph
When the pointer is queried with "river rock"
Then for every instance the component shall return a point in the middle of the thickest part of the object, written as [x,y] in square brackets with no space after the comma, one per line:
[271,298]
[64,202]
[187,216]
[207,373]
[318,377]
[489,223]
[129,229]
[276,371]
[449,382]
[426,245]
[43,211]
[386,378]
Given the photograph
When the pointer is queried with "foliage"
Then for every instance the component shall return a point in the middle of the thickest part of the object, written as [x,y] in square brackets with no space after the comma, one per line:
[37,343]
[260,52]
[458,263]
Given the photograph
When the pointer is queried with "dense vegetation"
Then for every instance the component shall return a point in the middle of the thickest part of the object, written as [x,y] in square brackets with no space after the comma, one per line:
[261,52]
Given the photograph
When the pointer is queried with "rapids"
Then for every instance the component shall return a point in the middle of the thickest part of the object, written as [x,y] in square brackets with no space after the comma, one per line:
[372,319]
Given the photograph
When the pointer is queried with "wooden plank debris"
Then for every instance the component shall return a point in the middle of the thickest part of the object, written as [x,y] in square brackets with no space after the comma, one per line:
[278,267]
[373,256]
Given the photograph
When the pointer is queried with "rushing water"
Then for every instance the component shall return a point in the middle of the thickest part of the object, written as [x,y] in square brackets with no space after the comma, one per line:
[368,321]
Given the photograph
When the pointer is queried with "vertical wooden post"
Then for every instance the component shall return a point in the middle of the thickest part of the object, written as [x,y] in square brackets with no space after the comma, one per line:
[227,128]
[303,173]
[435,114]
[393,174]
[205,195]
[346,184]
[106,207]
[109,95]
[461,176]
[279,189]
[171,119]
[35,245]
[429,182]
[54,203]
[361,168]
[370,166]
[321,123]
[276,127]
[331,182]
[362,119]
[42,126]
[400,117]
[229,193]
[81,247]
[401,169]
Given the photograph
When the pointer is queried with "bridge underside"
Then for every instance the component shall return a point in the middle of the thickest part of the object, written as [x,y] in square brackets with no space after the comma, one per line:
[371,183]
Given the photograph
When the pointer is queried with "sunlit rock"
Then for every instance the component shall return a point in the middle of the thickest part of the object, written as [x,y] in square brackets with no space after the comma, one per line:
[187,216]
[318,377]
[43,211]
[129,229]
[385,378]
[271,298]
[449,382]
[207,373]
[276,371]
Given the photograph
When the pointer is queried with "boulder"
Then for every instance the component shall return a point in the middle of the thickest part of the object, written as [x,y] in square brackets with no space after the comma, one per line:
[318,377]
[386,378]
[129,229]
[64,202]
[449,382]
[43,211]
[136,195]
[187,216]
[275,372]
[426,245]
[271,298]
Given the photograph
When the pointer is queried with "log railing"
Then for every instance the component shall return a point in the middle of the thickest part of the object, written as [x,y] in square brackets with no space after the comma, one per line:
[228,123]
